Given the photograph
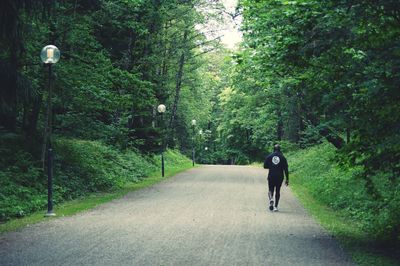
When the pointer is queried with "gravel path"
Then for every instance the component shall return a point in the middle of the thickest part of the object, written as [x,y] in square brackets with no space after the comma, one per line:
[212,215]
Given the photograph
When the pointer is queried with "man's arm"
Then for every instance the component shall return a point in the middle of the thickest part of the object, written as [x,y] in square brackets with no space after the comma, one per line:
[286,170]
[266,166]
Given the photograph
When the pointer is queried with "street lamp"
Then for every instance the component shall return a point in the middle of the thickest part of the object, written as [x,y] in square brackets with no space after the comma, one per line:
[50,55]
[193,126]
[161,109]
[207,155]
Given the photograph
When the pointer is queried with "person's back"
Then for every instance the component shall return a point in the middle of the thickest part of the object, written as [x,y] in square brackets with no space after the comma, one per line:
[277,165]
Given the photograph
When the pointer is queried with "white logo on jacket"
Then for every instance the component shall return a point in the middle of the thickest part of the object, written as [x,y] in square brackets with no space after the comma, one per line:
[276,160]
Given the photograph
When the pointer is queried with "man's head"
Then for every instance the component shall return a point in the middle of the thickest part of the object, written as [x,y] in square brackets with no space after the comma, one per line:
[277,147]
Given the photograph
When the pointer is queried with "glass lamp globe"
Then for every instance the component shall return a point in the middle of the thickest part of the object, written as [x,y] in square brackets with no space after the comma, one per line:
[161,108]
[50,54]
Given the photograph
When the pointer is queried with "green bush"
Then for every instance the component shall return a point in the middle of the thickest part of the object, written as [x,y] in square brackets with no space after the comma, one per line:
[286,146]
[80,167]
[21,187]
[345,189]
[172,158]
[89,166]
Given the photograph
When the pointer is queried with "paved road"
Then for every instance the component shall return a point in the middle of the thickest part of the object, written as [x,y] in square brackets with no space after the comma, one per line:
[212,215]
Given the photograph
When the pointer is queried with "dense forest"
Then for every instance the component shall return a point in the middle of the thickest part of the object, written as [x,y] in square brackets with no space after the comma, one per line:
[307,72]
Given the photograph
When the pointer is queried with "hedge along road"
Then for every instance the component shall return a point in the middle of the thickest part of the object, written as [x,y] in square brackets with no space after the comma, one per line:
[212,215]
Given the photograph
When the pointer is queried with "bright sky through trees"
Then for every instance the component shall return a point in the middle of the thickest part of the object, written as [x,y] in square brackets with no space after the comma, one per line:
[231,34]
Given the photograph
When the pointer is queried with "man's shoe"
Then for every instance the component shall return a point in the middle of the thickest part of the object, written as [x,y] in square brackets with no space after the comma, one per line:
[271,205]
[276,209]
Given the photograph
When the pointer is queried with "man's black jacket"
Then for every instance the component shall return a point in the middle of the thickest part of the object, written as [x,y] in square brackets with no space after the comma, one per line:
[277,165]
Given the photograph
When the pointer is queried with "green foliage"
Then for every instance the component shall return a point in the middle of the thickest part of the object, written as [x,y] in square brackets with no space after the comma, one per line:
[342,189]
[308,69]
[119,60]
[81,167]
[172,158]
[21,187]
[89,166]
[20,196]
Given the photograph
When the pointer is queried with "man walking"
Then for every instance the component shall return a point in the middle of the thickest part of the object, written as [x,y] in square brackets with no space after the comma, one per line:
[278,166]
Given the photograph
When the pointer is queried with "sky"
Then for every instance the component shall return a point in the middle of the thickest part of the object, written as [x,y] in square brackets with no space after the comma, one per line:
[228,30]
[231,34]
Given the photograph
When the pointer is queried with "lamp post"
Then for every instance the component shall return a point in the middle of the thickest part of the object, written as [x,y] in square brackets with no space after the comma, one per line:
[50,55]
[161,110]
[200,155]
[193,152]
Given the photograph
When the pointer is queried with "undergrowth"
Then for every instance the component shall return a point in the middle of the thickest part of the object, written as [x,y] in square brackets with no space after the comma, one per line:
[340,200]
[81,167]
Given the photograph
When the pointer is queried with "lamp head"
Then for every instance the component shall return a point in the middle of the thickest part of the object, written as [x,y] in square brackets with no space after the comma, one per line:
[161,108]
[50,54]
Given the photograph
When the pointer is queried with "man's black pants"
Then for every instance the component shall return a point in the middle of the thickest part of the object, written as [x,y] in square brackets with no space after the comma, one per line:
[274,185]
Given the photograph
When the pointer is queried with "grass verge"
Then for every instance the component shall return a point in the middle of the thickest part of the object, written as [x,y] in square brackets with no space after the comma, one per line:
[357,243]
[93,200]
[325,190]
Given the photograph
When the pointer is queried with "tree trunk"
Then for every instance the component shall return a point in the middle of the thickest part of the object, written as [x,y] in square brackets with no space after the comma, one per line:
[333,138]
[178,83]
[279,130]
[327,133]
[33,117]
[8,93]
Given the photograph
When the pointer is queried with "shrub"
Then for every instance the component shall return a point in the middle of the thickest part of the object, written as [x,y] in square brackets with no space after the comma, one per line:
[316,168]
[88,166]
[21,188]
[81,167]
